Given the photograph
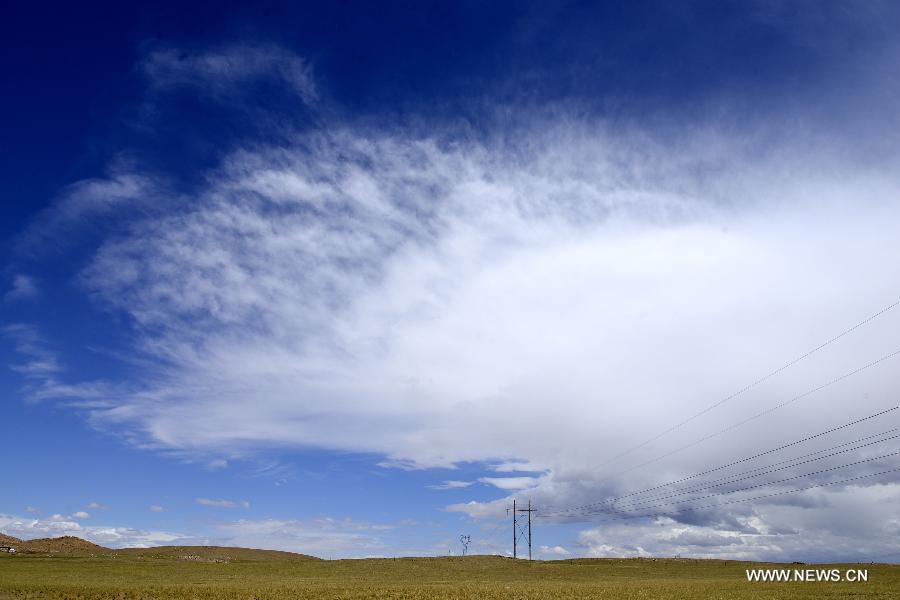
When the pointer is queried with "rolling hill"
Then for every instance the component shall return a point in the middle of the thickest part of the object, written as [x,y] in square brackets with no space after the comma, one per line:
[62,545]
[71,545]
[214,554]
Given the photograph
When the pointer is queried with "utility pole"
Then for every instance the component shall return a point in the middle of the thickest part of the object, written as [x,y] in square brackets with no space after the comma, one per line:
[515,529]
[516,532]
[529,529]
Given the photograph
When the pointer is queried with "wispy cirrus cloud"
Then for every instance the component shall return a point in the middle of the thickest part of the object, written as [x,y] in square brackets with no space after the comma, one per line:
[23,287]
[452,484]
[41,362]
[87,208]
[378,267]
[224,72]
[221,503]
[44,373]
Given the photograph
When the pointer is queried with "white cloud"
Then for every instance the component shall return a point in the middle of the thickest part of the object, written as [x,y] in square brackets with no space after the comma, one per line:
[54,525]
[23,287]
[222,73]
[31,509]
[156,508]
[221,503]
[216,503]
[452,484]
[84,208]
[96,506]
[512,466]
[408,316]
[511,483]
[857,525]
[81,515]
[58,525]
[43,372]
[127,537]
[323,537]
[41,363]
[554,551]
[483,510]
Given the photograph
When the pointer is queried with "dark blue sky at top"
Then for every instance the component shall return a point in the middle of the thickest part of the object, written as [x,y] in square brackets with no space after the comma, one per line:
[71,87]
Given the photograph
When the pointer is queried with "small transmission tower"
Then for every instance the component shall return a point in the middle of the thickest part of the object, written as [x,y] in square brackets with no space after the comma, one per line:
[520,530]
[465,540]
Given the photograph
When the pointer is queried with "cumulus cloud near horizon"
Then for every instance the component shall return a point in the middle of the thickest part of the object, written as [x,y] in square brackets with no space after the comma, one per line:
[540,302]
[58,525]
[325,537]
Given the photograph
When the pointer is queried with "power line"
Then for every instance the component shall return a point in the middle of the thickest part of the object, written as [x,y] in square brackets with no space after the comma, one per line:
[769,472]
[758,415]
[738,501]
[731,464]
[765,470]
[759,472]
[759,381]
[759,485]
[496,529]
[761,454]
[731,480]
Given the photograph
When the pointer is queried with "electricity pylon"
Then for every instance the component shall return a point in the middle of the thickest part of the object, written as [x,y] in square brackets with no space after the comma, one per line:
[524,532]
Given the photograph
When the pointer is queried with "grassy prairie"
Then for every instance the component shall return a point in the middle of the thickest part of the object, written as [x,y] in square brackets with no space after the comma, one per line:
[244,575]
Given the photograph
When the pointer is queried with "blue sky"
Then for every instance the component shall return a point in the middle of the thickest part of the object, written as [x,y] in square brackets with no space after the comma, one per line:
[348,278]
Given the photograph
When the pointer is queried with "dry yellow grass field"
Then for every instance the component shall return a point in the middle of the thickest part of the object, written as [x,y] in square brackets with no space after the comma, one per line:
[228,573]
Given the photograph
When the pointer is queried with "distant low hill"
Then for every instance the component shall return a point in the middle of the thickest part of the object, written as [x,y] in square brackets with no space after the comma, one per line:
[214,553]
[77,546]
[62,545]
